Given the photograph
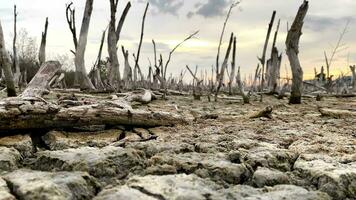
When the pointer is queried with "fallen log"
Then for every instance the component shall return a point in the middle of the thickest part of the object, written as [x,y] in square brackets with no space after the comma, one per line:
[334,113]
[17,114]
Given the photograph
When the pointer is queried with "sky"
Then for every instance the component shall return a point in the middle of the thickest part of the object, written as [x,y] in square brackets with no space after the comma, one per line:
[170,21]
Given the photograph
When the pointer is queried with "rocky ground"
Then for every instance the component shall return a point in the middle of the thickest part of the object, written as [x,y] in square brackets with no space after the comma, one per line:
[221,154]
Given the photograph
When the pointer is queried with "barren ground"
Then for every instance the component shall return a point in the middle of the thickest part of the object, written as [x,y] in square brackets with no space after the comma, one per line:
[221,154]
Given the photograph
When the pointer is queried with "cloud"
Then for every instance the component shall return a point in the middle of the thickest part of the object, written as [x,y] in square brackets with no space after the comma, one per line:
[211,8]
[165,6]
[321,23]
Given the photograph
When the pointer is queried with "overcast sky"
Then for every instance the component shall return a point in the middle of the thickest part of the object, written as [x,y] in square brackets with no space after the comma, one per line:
[170,21]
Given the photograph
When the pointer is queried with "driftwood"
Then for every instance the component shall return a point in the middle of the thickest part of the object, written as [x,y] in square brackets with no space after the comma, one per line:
[266,112]
[18,113]
[292,43]
[336,113]
[38,85]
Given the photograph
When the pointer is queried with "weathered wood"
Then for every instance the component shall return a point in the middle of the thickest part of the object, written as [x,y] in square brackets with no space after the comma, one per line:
[222,36]
[6,66]
[42,52]
[17,114]
[137,58]
[114,76]
[15,61]
[127,70]
[263,58]
[292,44]
[39,83]
[353,70]
[245,97]
[233,67]
[83,78]
[122,20]
[223,68]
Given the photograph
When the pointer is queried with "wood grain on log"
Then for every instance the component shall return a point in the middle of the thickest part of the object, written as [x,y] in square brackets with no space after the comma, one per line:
[38,85]
[17,114]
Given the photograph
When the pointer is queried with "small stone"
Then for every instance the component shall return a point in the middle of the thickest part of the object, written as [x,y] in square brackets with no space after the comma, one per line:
[107,162]
[268,177]
[23,143]
[122,193]
[28,184]
[4,191]
[9,159]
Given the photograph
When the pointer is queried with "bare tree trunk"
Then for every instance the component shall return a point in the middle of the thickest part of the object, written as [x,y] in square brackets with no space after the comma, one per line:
[232,74]
[255,80]
[42,53]
[122,20]
[97,67]
[40,82]
[292,44]
[222,36]
[274,71]
[197,90]
[353,68]
[70,17]
[114,76]
[127,70]
[223,68]
[6,66]
[245,97]
[16,66]
[83,78]
[263,58]
[140,43]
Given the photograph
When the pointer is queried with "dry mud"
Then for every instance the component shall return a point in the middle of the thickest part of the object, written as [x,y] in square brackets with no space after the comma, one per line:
[221,154]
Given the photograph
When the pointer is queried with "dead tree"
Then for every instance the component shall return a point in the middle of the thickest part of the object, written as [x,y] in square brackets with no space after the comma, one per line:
[353,70]
[220,80]
[197,90]
[127,70]
[6,66]
[170,56]
[42,53]
[70,16]
[240,85]
[41,81]
[114,76]
[255,80]
[137,68]
[15,62]
[98,83]
[122,20]
[83,78]
[263,58]
[338,47]
[292,44]
[221,38]
[274,65]
[232,73]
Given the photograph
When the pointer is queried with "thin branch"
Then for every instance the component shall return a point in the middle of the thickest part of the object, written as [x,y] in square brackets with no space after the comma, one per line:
[176,47]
